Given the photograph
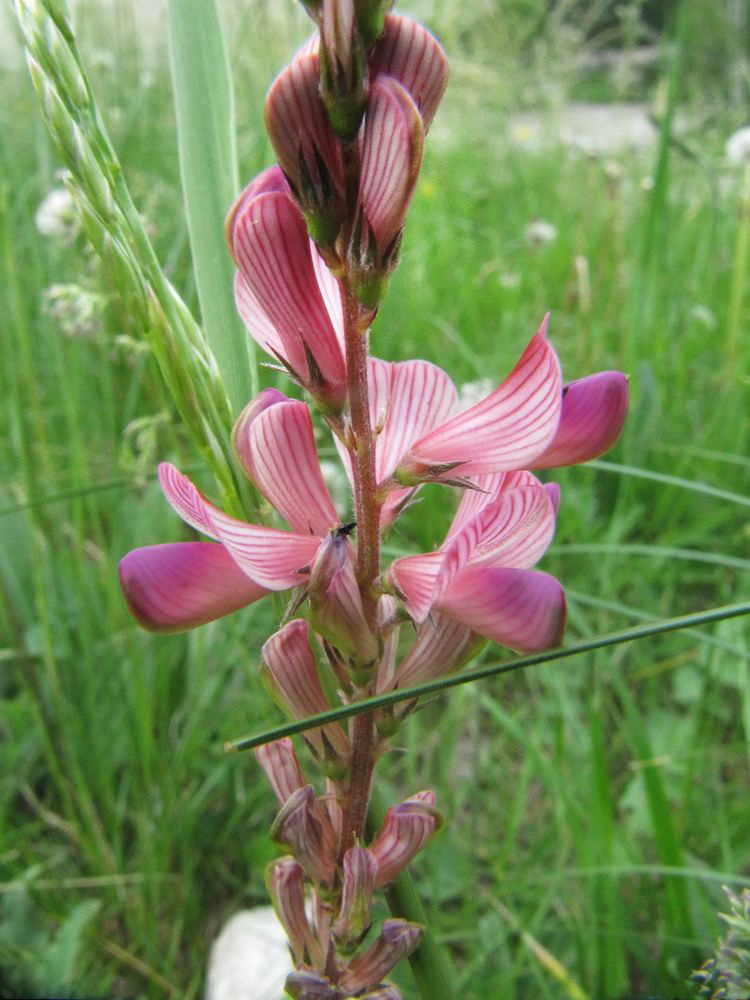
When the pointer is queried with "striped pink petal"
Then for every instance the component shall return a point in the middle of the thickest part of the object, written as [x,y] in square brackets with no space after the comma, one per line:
[181,585]
[415,577]
[406,829]
[519,608]
[508,429]
[289,669]
[272,558]
[269,180]
[259,326]
[241,429]
[420,397]
[186,499]
[593,412]
[488,488]
[272,250]
[414,57]
[331,293]
[553,490]
[298,126]
[285,467]
[513,531]
[391,159]
[442,646]
[281,767]
[276,559]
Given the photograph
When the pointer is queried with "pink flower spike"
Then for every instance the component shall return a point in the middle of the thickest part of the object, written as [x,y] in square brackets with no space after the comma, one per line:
[272,251]
[443,645]
[289,670]
[414,57]
[178,586]
[506,430]
[282,461]
[593,412]
[391,159]
[406,829]
[519,608]
[397,939]
[271,558]
[285,881]
[281,767]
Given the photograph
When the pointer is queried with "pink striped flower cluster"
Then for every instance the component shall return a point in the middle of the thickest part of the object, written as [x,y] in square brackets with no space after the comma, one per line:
[315,239]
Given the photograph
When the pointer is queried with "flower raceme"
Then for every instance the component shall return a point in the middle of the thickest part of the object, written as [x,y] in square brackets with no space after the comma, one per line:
[315,239]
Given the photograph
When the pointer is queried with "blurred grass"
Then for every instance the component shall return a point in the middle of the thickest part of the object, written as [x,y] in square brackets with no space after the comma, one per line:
[594,807]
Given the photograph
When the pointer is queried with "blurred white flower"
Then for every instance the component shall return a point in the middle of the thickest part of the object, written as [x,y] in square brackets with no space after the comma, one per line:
[57,215]
[471,392]
[76,310]
[510,279]
[249,960]
[738,147]
[539,233]
[705,316]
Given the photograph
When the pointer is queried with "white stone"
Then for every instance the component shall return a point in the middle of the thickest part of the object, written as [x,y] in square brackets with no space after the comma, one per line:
[249,959]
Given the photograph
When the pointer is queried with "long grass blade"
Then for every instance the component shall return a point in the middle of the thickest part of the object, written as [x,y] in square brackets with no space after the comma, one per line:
[663,477]
[490,670]
[204,105]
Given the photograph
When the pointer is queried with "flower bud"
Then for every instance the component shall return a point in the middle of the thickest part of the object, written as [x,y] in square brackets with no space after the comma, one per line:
[343,82]
[307,984]
[281,767]
[410,54]
[304,828]
[407,828]
[370,19]
[391,159]
[306,147]
[397,939]
[335,601]
[285,882]
[290,673]
[353,920]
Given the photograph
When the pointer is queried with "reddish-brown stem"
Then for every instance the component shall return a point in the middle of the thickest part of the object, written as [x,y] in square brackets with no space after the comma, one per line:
[367,513]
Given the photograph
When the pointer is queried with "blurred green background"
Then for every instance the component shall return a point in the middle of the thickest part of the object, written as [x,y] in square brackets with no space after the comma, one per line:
[595,807]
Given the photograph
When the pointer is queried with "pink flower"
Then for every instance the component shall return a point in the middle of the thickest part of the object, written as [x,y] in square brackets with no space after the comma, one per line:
[284,292]
[530,421]
[480,578]
[180,585]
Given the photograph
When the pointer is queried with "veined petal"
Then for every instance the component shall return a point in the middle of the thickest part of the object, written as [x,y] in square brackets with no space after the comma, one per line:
[272,250]
[553,491]
[289,669]
[286,469]
[421,396]
[391,159]
[513,531]
[414,57]
[186,499]
[331,293]
[268,180]
[508,429]
[173,587]
[442,646]
[275,559]
[488,488]
[258,325]
[241,429]
[299,128]
[593,412]
[415,577]
[272,558]
[519,608]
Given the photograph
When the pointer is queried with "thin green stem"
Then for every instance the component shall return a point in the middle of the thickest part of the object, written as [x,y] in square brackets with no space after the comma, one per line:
[491,670]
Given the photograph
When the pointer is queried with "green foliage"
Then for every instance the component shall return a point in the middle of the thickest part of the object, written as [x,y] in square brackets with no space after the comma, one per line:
[726,976]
